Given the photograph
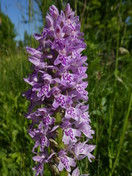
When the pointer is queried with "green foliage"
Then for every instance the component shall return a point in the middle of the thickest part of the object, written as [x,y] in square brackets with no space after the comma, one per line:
[110,84]
[29,40]
[15,148]
[43,7]
[7,34]
[107,26]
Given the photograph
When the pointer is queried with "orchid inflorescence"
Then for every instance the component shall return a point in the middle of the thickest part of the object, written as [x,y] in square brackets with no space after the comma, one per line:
[57,96]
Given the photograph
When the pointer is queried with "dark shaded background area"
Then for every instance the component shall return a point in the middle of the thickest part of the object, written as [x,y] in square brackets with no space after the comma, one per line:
[107,27]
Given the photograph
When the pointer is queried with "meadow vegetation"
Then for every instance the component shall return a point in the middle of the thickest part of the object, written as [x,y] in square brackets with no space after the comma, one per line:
[107,27]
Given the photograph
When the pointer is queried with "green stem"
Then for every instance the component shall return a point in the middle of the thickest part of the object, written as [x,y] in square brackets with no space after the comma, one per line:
[60,4]
[123,134]
[110,130]
[76,6]
[60,132]
[117,46]
[59,139]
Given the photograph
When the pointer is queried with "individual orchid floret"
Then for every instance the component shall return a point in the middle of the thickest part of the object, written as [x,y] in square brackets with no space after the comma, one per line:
[70,135]
[65,162]
[83,150]
[76,172]
[53,12]
[58,97]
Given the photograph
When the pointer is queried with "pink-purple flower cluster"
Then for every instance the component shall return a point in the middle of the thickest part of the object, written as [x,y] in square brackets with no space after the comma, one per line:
[58,84]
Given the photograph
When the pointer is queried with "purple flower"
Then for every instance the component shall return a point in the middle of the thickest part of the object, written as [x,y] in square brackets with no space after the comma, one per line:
[65,162]
[62,100]
[70,135]
[41,159]
[58,90]
[77,173]
[82,150]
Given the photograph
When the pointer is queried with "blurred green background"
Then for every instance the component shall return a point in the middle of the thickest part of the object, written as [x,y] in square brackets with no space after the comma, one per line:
[107,25]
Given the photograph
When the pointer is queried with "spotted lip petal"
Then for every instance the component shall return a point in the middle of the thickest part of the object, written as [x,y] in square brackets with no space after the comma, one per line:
[70,134]
[63,101]
[82,150]
[66,162]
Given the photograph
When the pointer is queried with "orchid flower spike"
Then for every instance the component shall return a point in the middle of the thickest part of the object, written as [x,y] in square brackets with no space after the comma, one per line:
[58,97]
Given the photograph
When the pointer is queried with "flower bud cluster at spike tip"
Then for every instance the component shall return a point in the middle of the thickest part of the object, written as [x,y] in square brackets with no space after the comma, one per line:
[58,85]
